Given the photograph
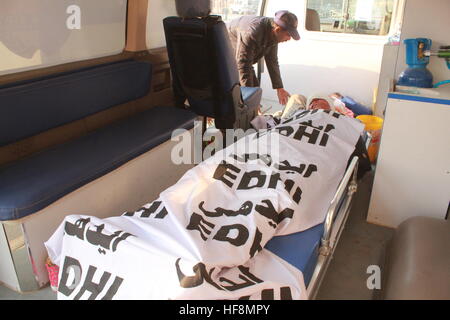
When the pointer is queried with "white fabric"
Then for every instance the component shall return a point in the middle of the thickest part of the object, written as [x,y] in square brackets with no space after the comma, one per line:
[204,237]
[259,122]
[263,122]
[338,104]
[295,102]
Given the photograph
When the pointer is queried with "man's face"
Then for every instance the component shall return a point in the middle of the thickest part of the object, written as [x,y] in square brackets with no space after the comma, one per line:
[319,104]
[281,34]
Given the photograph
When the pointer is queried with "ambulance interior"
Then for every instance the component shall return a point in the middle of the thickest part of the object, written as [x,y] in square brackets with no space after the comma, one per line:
[74,69]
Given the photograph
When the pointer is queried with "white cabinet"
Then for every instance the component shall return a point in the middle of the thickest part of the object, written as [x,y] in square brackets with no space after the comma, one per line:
[412,176]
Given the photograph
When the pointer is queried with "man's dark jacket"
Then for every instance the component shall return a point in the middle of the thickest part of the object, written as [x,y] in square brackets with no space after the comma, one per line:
[252,38]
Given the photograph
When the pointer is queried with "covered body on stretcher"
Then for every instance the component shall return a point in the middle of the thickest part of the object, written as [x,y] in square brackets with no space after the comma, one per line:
[247,223]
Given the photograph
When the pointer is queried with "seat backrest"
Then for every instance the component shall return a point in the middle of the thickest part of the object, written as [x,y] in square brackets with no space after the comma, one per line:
[203,66]
[34,106]
[312,20]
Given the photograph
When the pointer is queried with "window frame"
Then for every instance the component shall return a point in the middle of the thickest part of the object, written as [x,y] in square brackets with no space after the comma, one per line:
[397,15]
[259,12]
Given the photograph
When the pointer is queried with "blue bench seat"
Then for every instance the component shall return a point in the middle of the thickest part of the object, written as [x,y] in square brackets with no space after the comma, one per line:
[38,191]
[34,106]
[31,184]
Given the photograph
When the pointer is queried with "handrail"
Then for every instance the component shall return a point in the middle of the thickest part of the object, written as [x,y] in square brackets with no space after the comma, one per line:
[351,172]
[369,139]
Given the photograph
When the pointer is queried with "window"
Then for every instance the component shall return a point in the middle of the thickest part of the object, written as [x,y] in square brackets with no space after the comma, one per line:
[371,17]
[37,34]
[231,9]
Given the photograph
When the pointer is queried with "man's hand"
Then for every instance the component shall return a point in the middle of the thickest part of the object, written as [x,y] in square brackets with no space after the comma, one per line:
[283,96]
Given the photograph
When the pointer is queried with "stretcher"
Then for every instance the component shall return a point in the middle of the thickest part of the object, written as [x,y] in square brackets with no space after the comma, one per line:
[311,250]
[239,242]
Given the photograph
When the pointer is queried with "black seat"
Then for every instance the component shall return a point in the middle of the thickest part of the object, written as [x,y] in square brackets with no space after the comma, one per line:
[204,72]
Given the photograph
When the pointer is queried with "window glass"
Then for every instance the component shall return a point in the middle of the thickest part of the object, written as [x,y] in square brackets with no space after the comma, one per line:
[372,17]
[231,9]
[41,33]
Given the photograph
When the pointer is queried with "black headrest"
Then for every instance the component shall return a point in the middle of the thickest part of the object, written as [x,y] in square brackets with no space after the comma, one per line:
[193,8]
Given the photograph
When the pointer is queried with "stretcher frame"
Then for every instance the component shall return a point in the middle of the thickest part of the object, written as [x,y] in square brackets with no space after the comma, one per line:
[334,225]
[335,220]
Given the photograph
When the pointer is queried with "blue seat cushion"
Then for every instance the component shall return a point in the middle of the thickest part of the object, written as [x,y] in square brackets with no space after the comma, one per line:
[251,96]
[31,184]
[300,249]
[31,107]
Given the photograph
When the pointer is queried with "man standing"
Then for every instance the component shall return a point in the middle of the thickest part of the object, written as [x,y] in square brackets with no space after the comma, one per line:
[254,37]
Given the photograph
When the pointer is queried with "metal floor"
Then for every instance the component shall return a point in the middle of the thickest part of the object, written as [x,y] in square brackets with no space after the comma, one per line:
[43,294]
[361,245]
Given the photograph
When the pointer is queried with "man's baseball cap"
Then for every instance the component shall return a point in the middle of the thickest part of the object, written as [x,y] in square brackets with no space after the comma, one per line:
[288,21]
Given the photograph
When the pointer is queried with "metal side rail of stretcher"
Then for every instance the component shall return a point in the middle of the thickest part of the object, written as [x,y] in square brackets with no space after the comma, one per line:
[368,139]
[334,224]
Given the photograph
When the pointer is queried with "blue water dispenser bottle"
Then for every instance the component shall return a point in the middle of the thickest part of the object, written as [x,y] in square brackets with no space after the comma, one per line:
[417,75]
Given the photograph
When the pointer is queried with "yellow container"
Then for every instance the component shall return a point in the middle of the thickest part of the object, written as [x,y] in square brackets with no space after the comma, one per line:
[373,124]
